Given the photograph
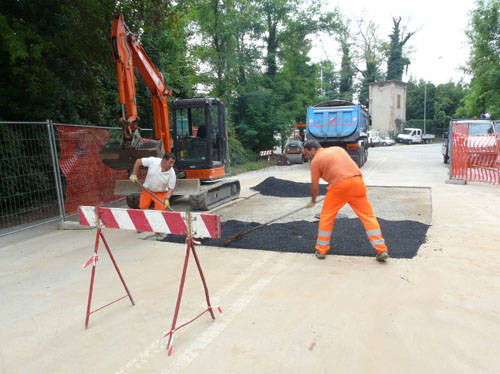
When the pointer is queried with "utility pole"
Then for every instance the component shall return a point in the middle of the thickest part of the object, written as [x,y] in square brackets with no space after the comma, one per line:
[425,103]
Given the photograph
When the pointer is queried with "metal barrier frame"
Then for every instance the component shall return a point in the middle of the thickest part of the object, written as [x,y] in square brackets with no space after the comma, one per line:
[54,165]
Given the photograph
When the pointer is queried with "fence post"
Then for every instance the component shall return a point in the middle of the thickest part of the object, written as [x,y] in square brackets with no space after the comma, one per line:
[55,166]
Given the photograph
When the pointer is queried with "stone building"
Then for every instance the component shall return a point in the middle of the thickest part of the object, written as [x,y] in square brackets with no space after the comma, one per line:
[387,106]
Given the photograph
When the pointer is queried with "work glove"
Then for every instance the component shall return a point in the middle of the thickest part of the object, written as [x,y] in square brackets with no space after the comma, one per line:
[166,203]
[133,178]
[310,204]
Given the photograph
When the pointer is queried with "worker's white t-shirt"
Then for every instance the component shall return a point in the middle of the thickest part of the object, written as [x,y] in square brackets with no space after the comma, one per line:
[156,180]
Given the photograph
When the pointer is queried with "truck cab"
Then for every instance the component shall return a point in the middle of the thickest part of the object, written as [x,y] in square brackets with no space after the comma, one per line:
[476,128]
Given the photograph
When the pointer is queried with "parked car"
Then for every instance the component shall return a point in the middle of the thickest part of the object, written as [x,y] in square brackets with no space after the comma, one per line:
[386,141]
[477,128]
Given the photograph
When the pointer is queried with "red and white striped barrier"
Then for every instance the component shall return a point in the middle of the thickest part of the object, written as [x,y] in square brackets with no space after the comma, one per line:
[265,153]
[192,225]
[475,158]
[202,225]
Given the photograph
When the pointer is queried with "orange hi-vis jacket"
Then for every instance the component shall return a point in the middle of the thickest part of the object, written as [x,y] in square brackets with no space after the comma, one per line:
[346,185]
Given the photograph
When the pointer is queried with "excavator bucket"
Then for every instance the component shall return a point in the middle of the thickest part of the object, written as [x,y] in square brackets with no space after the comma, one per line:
[182,187]
[119,157]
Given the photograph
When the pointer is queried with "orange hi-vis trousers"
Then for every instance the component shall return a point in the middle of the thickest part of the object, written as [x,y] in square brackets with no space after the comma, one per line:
[146,199]
[353,192]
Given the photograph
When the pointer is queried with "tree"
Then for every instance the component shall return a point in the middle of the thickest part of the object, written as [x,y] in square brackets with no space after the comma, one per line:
[52,65]
[397,62]
[346,88]
[370,55]
[484,62]
[448,98]
[330,80]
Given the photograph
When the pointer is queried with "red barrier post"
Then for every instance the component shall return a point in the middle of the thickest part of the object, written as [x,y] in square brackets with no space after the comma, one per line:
[93,260]
[189,247]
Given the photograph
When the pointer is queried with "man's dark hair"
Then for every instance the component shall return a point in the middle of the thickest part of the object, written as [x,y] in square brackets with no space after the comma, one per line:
[310,144]
[168,156]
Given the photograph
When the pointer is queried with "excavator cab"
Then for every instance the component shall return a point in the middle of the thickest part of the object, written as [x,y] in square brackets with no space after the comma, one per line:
[200,138]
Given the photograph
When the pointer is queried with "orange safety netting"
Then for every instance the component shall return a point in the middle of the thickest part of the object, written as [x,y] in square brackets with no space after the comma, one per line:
[88,180]
[475,158]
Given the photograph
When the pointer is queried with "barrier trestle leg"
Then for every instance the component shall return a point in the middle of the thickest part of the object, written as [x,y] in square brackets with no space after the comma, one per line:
[189,248]
[93,261]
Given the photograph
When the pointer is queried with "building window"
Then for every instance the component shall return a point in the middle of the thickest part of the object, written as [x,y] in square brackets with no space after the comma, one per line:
[399,101]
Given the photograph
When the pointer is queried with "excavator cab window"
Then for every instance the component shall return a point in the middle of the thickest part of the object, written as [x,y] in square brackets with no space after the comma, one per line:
[216,138]
[190,143]
[199,133]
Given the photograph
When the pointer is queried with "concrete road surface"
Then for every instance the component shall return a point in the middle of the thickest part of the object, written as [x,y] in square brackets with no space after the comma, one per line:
[282,312]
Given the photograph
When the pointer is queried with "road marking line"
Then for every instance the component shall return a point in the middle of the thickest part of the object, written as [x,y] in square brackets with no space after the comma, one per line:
[190,353]
[160,345]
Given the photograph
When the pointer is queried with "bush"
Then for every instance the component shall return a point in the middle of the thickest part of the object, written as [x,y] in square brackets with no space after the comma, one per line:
[238,153]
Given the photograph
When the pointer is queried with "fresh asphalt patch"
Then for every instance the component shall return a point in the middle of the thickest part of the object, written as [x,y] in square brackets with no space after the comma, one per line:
[403,238]
[403,213]
[283,188]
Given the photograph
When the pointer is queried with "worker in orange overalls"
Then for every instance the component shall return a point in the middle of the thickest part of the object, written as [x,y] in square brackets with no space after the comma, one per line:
[345,185]
[160,179]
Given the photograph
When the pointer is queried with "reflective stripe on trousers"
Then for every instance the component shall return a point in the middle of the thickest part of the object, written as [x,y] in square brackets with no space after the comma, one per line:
[353,192]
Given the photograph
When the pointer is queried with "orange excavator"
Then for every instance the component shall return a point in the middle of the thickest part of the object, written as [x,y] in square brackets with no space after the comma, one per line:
[198,138]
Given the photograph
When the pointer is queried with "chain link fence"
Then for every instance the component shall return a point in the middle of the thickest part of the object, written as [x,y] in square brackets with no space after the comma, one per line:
[49,169]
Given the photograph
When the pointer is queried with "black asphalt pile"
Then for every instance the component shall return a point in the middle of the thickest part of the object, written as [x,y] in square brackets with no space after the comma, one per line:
[403,238]
[282,188]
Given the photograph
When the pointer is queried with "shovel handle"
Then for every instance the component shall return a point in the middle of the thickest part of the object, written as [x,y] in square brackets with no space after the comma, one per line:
[236,236]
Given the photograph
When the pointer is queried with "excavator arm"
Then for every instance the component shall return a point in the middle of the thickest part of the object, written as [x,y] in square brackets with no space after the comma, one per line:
[128,52]
[204,157]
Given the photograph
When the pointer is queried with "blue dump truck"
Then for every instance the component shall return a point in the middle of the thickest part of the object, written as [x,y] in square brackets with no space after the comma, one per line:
[340,123]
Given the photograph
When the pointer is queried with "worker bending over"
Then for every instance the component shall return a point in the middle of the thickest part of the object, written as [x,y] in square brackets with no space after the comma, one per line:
[160,179]
[345,185]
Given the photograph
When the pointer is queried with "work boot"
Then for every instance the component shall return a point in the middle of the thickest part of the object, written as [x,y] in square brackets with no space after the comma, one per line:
[382,256]
[319,256]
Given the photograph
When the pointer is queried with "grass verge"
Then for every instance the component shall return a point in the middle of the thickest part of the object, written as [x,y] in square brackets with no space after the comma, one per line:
[251,165]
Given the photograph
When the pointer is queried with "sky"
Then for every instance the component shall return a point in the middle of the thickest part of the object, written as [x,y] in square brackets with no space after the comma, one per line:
[438,48]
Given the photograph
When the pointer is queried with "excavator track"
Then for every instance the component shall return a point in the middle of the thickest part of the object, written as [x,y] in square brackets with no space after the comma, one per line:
[214,194]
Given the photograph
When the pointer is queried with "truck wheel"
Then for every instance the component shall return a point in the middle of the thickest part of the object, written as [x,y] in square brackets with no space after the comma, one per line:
[409,142]
[357,160]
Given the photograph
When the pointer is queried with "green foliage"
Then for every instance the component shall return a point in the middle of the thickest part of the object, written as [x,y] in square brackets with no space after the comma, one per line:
[56,62]
[484,62]
[371,56]
[397,62]
[330,81]
[443,103]
[239,155]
